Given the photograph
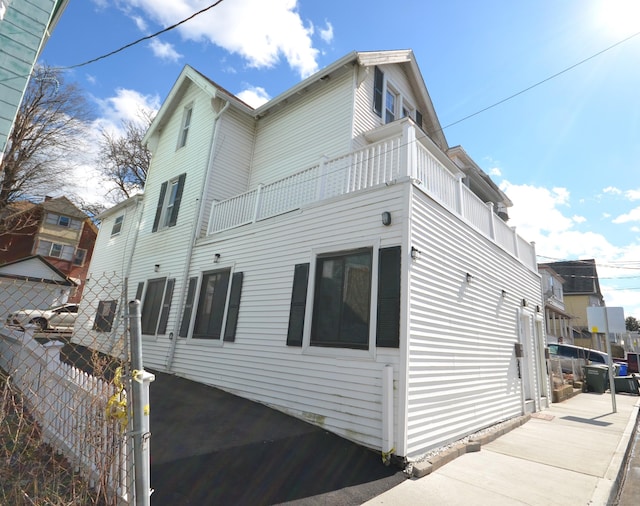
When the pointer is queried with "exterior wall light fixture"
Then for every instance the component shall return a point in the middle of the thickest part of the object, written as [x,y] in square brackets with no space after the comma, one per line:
[216,258]
[524,302]
[504,294]
[386,218]
[156,268]
[415,253]
[469,278]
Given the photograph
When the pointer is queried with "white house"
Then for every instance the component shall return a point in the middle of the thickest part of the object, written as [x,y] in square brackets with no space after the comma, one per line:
[32,283]
[328,254]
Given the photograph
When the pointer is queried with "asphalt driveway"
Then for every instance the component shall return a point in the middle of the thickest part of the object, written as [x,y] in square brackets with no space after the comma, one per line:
[209,447]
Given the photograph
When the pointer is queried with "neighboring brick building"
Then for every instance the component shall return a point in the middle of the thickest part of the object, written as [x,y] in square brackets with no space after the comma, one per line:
[54,229]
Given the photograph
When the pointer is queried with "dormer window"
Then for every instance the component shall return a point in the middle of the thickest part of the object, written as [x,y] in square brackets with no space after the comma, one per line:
[64,221]
[390,104]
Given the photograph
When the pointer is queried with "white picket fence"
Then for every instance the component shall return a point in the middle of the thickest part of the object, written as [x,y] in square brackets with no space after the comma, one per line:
[69,406]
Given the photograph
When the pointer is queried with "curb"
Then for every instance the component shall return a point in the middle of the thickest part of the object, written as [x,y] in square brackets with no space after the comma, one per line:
[473,444]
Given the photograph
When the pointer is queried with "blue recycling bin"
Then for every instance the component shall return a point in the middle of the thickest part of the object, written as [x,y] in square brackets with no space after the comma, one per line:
[622,371]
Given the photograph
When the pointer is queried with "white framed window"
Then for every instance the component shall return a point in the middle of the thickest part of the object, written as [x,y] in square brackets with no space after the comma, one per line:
[56,250]
[64,221]
[117,225]
[169,203]
[186,124]
[389,103]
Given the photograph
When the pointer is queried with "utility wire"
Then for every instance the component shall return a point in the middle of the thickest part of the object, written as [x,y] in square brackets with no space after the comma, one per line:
[127,46]
[567,69]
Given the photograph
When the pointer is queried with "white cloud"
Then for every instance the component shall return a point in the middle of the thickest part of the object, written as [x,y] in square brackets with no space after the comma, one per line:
[326,34]
[260,31]
[495,171]
[140,23]
[539,215]
[632,194]
[613,190]
[633,215]
[255,96]
[126,105]
[164,50]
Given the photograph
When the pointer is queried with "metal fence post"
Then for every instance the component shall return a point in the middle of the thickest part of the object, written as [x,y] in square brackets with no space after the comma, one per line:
[140,380]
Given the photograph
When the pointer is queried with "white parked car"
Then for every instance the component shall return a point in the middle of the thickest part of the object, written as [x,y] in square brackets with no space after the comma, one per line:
[55,318]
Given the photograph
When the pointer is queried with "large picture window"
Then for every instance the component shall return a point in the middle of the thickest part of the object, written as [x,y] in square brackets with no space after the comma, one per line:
[342,302]
[341,305]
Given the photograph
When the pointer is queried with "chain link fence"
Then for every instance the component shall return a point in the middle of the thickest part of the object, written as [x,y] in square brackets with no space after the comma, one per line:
[64,419]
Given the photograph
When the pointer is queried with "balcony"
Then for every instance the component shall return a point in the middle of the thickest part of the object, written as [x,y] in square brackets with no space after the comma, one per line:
[395,152]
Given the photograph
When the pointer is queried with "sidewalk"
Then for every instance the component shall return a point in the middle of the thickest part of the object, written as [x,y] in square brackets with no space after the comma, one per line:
[569,454]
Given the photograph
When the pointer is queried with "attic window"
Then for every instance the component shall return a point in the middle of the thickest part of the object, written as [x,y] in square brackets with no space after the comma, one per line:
[186,123]
[64,221]
[389,101]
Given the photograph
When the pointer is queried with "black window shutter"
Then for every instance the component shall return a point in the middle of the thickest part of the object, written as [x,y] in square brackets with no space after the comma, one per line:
[419,118]
[156,220]
[234,307]
[176,203]
[166,306]
[378,79]
[139,291]
[388,326]
[188,308]
[105,315]
[298,305]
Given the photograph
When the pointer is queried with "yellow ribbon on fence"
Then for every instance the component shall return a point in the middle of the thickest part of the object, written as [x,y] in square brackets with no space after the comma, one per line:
[117,404]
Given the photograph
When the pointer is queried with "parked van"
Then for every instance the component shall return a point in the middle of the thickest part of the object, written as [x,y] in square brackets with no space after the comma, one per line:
[569,352]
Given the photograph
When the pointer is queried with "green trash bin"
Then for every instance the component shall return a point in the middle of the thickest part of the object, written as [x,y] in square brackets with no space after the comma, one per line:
[597,377]
[627,384]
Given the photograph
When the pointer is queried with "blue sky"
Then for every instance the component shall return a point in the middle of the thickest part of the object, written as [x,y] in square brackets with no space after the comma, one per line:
[566,152]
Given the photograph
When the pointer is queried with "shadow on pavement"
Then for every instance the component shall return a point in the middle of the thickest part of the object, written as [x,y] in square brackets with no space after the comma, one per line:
[209,447]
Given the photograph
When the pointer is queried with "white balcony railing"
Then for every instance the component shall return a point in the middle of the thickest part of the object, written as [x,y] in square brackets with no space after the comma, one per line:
[378,163]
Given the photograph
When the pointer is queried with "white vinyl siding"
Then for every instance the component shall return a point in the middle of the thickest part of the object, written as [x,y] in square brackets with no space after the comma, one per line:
[462,368]
[259,363]
[365,118]
[231,163]
[293,138]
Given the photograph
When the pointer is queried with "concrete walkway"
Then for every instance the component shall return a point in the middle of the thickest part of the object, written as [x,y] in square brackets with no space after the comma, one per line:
[570,454]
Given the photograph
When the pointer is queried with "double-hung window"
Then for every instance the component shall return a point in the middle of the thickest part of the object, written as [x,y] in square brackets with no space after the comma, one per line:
[156,305]
[186,124]
[117,225]
[218,304]
[79,256]
[389,103]
[169,203]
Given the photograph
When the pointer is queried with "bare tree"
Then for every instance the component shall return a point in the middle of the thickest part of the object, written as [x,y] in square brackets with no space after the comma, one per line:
[47,132]
[123,159]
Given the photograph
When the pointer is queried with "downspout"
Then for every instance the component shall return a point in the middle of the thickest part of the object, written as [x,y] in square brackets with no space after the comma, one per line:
[173,336]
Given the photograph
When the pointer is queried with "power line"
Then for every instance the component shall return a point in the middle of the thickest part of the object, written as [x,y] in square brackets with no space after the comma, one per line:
[567,69]
[127,46]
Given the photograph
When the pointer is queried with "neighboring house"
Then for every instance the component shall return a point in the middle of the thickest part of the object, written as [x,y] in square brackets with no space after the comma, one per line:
[559,328]
[581,289]
[25,27]
[55,230]
[323,255]
[32,283]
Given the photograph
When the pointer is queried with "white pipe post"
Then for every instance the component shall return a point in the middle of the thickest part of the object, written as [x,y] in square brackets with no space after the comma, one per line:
[140,380]
[387,413]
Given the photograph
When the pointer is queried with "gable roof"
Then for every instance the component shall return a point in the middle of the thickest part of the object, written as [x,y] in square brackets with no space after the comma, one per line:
[365,59]
[35,268]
